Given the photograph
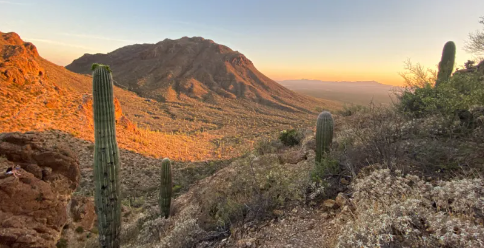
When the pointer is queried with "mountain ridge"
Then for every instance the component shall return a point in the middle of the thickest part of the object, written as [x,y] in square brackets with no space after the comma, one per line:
[196,68]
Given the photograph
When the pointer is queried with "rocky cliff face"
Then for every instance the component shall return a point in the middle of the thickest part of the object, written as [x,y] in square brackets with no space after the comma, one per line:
[33,207]
[19,62]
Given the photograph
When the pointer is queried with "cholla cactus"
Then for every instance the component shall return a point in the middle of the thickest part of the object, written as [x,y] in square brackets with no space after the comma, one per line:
[165,188]
[324,134]
[446,65]
[106,158]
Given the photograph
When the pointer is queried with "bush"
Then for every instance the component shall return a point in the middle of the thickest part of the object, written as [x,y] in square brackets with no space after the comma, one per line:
[257,185]
[462,91]
[267,146]
[62,243]
[349,110]
[393,210]
[79,229]
[290,137]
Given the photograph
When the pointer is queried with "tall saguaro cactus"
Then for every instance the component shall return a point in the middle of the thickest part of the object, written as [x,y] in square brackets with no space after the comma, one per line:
[324,134]
[165,188]
[446,64]
[106,159]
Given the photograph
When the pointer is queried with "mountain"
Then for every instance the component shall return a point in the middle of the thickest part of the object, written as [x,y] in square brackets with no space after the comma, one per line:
[197,68]
[37,95]
[359,92]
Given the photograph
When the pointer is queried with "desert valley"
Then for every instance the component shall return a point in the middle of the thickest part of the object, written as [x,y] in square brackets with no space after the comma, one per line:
[185,143]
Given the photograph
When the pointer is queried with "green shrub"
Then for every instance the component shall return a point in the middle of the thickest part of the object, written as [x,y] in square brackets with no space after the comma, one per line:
[349,110]
[62,243]
[460,93]
[79,229]
[327,166]
[290,137]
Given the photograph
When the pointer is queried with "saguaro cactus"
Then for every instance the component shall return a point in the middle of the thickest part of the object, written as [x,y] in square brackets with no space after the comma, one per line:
[165,188]
[324,134]
[446,64]
[106,159]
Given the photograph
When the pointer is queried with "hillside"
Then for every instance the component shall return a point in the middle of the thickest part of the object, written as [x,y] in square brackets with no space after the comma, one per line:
[38,95]
[361,92]
[197,68]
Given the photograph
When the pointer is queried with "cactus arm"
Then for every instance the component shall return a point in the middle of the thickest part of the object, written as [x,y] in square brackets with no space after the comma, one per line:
[106,159]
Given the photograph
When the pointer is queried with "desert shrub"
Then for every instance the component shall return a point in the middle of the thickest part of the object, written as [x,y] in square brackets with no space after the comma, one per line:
[259,185]
[290,137]
[267,146]
[377,136]
[79,229]
[328,166]
[349,110]
[393,210]
[175,232]
[62,243]
[462,91]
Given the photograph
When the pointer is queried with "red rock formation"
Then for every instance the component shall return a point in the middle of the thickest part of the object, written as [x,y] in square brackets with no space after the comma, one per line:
[33,207]
[19,62]
[83,211]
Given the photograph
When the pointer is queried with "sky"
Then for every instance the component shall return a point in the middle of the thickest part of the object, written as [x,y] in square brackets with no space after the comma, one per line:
[313,39]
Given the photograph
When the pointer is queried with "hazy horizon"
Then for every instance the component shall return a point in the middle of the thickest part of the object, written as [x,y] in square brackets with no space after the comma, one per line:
[321,40]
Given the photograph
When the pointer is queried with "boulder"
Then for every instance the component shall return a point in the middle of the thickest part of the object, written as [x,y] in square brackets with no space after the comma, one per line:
[33,207]
[83,211]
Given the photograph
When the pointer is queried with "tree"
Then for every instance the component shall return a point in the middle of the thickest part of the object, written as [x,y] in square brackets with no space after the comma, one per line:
[417,76]
[475,44]
[469,64]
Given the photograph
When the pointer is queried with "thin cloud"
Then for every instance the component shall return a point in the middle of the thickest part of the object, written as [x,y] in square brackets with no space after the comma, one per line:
[99,37]
[14,3]
[208,27]
[60,44]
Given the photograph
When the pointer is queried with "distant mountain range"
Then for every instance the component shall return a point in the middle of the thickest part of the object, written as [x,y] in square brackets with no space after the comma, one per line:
[359,92]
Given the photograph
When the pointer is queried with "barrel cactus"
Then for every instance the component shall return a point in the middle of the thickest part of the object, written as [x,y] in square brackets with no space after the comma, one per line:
[165,188]
[324,134]
[106,158]
[446,64]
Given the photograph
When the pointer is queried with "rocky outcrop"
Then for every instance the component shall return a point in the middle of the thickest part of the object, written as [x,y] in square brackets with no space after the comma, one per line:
[19,62]
[83,212]
[33,206]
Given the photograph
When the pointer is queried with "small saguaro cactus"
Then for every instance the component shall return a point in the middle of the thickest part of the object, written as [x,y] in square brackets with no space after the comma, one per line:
[446,64]
[324,134]
[106,159]
[165,188]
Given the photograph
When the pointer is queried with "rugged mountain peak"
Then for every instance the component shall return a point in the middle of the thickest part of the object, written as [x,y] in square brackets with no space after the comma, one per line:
[19,61]
[197,68]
